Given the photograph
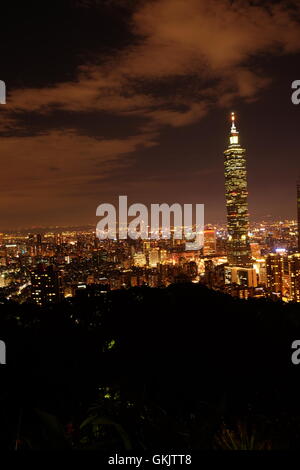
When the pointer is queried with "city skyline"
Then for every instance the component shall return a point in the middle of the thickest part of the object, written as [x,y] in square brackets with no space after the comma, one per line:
[150,228]
[234,132]
[107,114]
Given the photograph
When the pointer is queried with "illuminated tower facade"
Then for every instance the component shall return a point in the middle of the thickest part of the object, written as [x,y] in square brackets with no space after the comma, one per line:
[238,247]
[210,244]
[46,285]
[294,272]
[275,269]
[298,213]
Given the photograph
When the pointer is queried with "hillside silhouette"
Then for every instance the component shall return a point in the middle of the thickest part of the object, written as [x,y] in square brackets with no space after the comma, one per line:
[183,367]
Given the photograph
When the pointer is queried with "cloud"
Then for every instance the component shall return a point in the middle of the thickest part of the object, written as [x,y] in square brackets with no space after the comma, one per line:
[181,37]
[210,40]
[173,118]
[56,163]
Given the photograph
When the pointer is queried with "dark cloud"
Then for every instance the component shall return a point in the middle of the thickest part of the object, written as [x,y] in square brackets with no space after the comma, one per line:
[181,60]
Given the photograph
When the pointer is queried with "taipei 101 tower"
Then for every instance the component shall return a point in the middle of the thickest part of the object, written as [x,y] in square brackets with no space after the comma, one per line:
[238,248]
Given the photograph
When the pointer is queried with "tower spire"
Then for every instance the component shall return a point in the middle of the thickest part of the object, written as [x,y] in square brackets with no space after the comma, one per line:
[233,126]
[234,133]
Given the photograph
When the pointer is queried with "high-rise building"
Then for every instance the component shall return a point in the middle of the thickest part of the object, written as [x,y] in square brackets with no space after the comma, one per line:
[46,285]
[261,270]
[245,277]
[153,257]
[283,276]
[298,212]
[274,269]
[238,247]
[139,259]
[294,273]
[146,246]
[255,250]
[209,247]
[163,256]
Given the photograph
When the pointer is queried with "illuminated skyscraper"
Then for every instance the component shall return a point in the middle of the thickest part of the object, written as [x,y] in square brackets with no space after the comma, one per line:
[275,269]
[298,212]
[46,285]
[139,259]
[209,247]
[153,257]
[294,272]
[238,248]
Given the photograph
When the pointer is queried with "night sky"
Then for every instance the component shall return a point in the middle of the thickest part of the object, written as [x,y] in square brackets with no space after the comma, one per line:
[114,97]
